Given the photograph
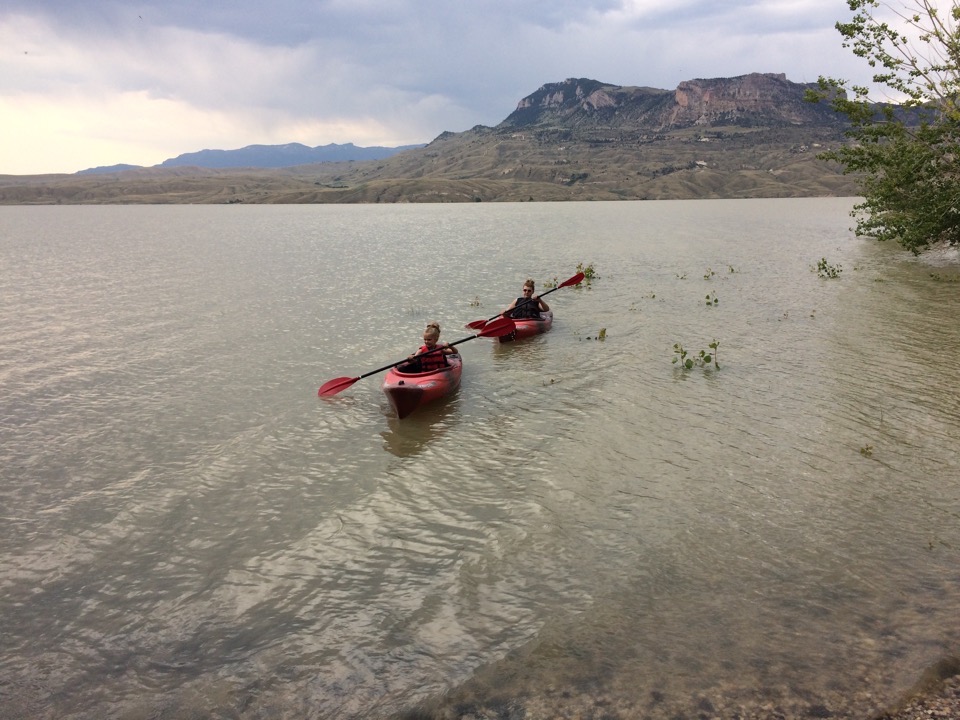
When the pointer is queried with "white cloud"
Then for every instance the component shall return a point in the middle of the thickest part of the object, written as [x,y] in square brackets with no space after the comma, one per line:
[115,82]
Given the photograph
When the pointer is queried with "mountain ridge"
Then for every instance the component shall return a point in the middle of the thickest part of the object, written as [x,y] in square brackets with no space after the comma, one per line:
[746,100]
[577,139]
[266,156]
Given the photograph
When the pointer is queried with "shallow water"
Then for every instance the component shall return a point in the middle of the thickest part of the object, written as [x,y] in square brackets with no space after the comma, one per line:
[187,529]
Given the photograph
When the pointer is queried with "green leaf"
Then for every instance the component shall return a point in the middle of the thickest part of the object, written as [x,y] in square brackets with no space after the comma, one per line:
[904,156]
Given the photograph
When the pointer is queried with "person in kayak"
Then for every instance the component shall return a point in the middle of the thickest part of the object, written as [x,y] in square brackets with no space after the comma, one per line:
[424,358]
[527,306]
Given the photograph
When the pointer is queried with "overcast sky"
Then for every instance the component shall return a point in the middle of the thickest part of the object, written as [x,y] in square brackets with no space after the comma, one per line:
[100,82]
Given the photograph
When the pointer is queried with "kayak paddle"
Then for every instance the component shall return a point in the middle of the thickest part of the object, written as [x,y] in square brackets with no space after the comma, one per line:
[504,326]
[575,280]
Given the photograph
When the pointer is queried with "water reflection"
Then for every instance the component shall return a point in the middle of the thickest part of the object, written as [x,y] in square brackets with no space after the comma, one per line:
[527,350]
[408,437]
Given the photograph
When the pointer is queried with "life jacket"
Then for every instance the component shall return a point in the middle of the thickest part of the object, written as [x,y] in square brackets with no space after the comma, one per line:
[526,308]
[433,361]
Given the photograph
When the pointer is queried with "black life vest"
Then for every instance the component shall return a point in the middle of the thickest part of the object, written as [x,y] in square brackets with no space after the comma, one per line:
[526,308]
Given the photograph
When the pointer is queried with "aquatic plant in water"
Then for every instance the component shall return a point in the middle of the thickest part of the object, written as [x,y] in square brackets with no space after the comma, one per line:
[589,274]
[826,270]
[700,359]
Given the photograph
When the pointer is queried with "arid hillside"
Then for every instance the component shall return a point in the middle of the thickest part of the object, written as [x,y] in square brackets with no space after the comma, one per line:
[752,136]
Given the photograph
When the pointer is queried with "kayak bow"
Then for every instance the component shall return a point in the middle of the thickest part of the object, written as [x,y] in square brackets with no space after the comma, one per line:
[407,391]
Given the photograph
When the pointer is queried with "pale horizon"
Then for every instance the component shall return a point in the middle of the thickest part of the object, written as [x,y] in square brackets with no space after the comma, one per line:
[104,84]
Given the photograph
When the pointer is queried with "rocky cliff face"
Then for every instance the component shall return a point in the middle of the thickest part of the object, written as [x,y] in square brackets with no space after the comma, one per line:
[578,101]
[755,100]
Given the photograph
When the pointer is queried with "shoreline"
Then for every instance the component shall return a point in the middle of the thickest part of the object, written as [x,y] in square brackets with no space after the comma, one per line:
[936,696]
[940,699]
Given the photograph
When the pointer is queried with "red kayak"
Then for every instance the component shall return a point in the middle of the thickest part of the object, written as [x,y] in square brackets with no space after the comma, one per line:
[407,391]
[528,327]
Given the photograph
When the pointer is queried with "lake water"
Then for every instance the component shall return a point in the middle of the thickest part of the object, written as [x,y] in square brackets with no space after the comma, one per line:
[187,530]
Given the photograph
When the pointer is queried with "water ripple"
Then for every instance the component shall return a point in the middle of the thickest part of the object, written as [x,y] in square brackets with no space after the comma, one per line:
[188,530]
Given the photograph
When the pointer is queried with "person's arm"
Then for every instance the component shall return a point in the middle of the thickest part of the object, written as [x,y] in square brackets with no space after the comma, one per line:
[511,306]
[542,305]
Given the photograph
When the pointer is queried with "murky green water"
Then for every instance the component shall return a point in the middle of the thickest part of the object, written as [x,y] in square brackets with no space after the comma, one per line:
[188,530]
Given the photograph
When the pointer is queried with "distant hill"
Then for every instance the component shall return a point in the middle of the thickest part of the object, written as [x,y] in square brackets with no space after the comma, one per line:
[578,139]
[103,169]
[280,156]
[267,156]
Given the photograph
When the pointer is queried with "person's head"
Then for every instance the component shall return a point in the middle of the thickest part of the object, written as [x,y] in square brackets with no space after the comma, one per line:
[528,287]
[431,334]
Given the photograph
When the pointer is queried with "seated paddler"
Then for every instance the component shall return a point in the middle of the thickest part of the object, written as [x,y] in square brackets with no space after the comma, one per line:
[528,305]
[432,355]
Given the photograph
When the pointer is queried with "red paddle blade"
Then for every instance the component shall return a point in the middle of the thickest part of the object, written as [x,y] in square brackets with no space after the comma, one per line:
[498,328]
[332,387]
[476,324]
[575,280]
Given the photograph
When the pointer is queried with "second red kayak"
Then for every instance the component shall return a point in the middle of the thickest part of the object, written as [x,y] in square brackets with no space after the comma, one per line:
[528,327]
[407,391]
